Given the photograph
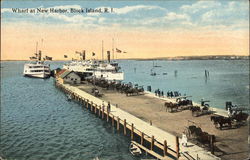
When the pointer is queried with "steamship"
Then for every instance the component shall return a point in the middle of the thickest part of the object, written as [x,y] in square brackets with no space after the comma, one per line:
[99,69]
[36,67]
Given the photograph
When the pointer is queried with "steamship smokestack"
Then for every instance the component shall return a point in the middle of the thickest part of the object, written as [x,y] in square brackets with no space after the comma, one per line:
[39,55]
[83,55]
[108,54]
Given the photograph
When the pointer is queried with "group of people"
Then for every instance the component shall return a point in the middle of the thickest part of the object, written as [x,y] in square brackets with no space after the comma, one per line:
[170,94]
[173,94]
[159,93]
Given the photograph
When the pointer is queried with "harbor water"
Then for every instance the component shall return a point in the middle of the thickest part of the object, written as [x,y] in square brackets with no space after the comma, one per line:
[37,121]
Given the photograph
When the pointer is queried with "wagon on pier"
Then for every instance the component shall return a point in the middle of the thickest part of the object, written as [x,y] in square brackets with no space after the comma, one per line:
[181,103]
[194,132]
[203,109]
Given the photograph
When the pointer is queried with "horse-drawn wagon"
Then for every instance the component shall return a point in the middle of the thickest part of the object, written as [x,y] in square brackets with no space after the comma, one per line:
[200,110]
[194,132]
[236,117]
[180,104]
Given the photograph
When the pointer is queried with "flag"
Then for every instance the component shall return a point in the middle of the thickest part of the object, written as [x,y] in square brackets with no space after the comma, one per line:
[65,56]
[93,54]
[118,51]
[124,52]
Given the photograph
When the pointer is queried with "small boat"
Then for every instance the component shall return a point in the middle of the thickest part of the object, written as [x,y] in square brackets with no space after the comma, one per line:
[152,72]
[165,73]
[134,149]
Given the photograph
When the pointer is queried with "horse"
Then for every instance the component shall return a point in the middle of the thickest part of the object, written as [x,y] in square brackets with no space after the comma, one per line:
[221,121]
[131,91]
[240,117]
[197,133]
[170,107]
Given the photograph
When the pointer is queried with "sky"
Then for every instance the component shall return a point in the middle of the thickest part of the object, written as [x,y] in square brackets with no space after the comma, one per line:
[140,29]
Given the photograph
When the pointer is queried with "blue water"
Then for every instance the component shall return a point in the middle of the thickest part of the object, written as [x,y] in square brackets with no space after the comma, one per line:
[228,79]
[38,123]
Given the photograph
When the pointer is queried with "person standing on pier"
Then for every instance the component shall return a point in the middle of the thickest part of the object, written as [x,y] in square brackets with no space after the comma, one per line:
[162,93]
[159,92]
[184,140]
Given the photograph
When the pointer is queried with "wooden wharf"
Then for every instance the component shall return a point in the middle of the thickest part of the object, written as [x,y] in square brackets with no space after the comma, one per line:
[158,143]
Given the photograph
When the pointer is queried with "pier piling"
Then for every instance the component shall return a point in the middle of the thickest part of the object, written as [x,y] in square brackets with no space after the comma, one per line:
[152,143]
[177,147]
[132,131]
[118,124]
[142,138]
[102,112]
[165,148]
[99,111]
[124,127]
[113,119]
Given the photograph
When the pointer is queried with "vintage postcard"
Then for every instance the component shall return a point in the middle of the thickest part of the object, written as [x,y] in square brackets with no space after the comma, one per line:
[124,80]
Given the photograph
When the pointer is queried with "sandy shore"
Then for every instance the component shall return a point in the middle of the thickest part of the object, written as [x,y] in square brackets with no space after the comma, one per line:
[230,143]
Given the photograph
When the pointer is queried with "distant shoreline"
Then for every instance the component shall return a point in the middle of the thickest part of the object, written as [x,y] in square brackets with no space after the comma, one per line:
[179,58]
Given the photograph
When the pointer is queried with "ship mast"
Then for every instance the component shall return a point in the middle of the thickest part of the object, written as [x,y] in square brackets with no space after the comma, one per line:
[36,49]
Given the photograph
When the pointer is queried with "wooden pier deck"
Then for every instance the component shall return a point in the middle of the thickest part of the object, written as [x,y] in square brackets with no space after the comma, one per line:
[168,143]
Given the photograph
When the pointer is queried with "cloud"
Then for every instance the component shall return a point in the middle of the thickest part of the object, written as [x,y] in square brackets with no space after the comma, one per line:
[70,19]
[67,7]
[128,9]
[200,6]
[174,16]
[5,10]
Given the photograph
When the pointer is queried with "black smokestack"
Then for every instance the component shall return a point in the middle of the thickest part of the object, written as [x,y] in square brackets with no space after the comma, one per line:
[108,54]
[83,55]
[39,55]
